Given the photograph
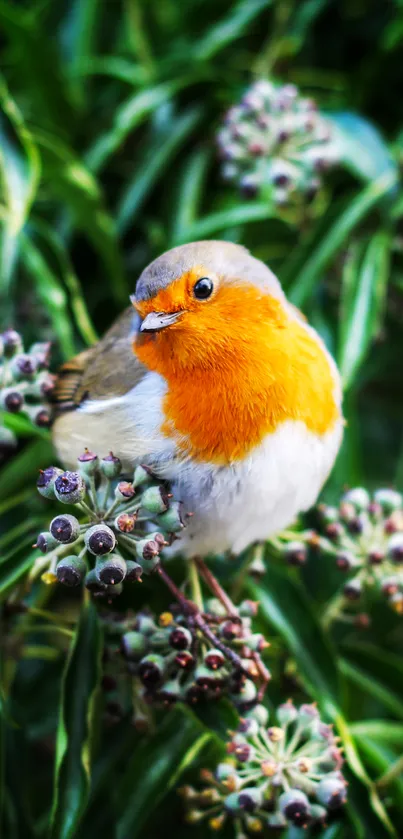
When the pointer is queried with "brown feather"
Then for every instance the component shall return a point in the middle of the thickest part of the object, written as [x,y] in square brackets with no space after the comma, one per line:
[106,370]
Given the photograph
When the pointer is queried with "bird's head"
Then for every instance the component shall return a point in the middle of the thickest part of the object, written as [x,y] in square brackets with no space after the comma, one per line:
[202,304]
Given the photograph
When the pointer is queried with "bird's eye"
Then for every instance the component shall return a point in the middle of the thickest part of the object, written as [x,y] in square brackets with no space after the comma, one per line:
[203,288]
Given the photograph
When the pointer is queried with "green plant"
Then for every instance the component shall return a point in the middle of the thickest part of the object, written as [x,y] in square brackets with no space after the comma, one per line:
[109,120]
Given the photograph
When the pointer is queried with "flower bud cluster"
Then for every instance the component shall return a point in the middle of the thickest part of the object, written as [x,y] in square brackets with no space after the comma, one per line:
[364,534]
[25,383]
[170,660]
[118,530]
[286,774]
[275,143]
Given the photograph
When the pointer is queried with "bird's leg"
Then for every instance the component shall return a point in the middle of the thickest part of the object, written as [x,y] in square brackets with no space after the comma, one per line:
[189,608]
[216,589]
[263,673]
[226,601]
[195,617]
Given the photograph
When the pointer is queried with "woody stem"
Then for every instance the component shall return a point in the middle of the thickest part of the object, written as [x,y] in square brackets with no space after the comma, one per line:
[195,617]
[215,587]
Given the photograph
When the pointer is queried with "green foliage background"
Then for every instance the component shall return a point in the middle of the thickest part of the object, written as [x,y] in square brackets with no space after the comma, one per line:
[107,157]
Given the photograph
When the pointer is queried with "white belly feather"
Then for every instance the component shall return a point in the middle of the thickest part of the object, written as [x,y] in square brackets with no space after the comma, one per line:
[233,505]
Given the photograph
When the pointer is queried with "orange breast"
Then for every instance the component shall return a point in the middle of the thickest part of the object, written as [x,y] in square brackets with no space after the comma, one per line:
[235,376]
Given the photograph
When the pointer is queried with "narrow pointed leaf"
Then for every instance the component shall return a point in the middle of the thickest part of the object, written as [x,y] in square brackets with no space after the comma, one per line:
[304,283]
[73,763]
[363,302]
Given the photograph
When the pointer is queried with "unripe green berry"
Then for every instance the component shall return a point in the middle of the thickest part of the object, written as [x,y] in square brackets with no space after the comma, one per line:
[111,466]
[23,367]
[247,694]
[87,463]
[224,771]
[260,714]
[134,645]
[207,678]
[46,481]
[295,806]
[358,497]
[11,400]
[100,539]
[250,798]
[154,499]
[11,342]
[8,441]
[151,669]
[70,488]
[40,415]
[171,691]
[353,589]
[93,584]
[171,521]
[126,522]
[231,803]
[46,542]
[389,500]
[71,570]
[295,553]
[141,476]
[65,529]
[124,491]
[180,638]
[395,548]
[331,793]
[110,570]
[133,571]
[214,659]
[287,713]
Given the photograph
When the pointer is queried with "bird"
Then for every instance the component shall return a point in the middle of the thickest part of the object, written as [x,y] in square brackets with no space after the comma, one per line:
[216,382]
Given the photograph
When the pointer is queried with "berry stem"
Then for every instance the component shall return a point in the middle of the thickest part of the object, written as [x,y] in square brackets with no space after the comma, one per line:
[195,586]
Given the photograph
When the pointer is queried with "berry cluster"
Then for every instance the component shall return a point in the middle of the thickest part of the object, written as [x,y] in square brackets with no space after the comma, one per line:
[119,528]
[287,774]
[25,384]
[364,534]
[276,143]
[171,659]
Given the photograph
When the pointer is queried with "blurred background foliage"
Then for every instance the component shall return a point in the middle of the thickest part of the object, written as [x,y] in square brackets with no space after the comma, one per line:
[109,113]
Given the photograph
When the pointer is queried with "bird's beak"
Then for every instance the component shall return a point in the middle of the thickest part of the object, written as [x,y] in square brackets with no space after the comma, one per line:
[155,321]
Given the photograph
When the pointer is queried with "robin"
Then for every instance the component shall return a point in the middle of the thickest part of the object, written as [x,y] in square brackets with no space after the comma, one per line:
[214,380]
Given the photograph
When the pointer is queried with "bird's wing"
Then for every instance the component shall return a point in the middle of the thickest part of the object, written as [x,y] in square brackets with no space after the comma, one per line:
[106,370]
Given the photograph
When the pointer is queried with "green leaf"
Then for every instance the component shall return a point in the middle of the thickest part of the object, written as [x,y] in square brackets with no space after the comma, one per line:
[52,294]
[19,178]
[155,768]
[157,159]
[128,117]
[15,565]
[22,471]
[388,732]
[284,605]
[189,194]
[73,764]
[22,425]
[73,183]
[361,147]
[304,283]
[229,29]
[370,685]
[241,214]
[364,291]
[77,302]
